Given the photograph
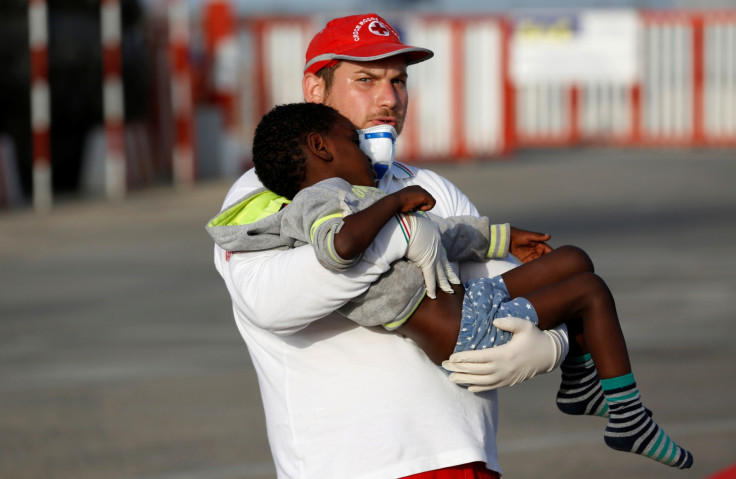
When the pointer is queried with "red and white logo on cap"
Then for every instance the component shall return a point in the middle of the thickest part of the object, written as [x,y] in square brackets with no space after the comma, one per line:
[375,26]
[378,28]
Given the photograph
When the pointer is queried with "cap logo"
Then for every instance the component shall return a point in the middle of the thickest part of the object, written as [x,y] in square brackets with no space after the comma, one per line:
[378,28]
[375,26]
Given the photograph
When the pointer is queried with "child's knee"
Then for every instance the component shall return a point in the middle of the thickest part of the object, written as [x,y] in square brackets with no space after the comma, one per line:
[579,260]
[594,287]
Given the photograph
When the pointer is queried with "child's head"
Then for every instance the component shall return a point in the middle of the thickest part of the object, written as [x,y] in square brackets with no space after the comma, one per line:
[299,144]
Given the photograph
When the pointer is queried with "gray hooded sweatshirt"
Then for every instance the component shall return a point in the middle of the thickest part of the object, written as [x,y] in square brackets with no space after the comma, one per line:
[263,220]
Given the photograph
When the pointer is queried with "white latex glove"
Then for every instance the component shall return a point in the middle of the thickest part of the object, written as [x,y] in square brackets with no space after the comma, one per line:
[425,249]
[529,352]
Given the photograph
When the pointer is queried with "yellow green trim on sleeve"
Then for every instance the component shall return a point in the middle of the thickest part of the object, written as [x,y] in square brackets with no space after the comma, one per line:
[396,324]
[250,210]
[330,239]
[319,222]
[500,238]
[331,249]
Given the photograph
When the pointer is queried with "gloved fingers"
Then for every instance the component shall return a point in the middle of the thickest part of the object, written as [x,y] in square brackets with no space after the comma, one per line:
[512,324]
[480,389]
[451,274]
[445,274]
[467,368]
[474,381]
[443,280]
[430,282]
[481,356]
[444,284]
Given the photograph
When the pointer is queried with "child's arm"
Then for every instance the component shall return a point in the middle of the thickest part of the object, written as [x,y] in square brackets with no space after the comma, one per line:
[360,229]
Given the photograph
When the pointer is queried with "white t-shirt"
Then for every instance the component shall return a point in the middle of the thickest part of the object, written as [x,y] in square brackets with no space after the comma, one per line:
[343,401]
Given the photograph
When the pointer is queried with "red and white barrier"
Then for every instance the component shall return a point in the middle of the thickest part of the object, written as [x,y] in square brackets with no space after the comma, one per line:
[40,105]
[277,47]
[113,99]
[672,74]
[669,79]
[184,165]
[458,99]
[684,93]
[478,97]
[230,87]
[719,78]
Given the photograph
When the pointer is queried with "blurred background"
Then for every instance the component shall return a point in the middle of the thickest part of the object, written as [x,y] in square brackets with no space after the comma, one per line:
[610,125]
[102,97]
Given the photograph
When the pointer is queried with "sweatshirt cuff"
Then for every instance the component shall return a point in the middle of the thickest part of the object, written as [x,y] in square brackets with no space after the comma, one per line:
[413,305]
[500,241]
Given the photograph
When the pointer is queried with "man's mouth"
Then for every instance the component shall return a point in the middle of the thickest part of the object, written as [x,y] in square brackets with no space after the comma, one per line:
[384,120]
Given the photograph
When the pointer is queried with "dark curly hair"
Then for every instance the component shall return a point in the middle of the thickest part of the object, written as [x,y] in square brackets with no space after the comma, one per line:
[278,153]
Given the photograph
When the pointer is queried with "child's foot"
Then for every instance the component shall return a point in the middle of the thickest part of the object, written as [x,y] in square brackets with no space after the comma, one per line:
[631,429]
[580,390]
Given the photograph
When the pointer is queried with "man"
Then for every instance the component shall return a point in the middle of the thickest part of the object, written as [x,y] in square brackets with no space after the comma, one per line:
[332,411]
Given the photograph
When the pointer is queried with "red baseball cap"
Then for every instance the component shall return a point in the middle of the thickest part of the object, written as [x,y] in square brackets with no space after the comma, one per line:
[360,38]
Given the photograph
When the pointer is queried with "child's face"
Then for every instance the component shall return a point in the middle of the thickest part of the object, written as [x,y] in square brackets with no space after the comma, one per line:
[349,161]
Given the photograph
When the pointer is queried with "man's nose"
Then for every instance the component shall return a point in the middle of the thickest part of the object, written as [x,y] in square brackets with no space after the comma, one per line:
[387,96]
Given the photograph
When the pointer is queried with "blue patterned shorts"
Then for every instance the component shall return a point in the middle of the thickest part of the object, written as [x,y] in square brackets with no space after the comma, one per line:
[487,299]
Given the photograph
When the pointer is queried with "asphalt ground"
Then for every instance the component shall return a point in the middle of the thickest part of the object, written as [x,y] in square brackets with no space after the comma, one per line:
[119,357]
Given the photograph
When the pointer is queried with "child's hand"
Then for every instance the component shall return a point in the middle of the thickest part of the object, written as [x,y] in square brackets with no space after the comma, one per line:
[414,198]
[527,245]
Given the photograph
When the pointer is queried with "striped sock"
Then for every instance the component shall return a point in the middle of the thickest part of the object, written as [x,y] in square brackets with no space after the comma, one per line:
[631,429]
[580,390]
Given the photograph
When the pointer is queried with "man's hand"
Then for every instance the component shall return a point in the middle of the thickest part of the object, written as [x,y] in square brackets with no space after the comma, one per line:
[425,249]
[529,352]
[527,245]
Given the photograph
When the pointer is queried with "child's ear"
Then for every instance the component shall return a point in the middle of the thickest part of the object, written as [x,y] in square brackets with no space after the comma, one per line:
[318,146]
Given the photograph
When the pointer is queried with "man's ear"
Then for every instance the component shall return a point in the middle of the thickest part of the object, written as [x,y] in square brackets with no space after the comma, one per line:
[313,88]
[318,147]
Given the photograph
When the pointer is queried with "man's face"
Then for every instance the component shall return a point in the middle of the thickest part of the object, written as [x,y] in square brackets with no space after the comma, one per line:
[371,93]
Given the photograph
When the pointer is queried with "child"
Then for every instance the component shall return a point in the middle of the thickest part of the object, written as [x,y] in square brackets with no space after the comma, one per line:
[311,154]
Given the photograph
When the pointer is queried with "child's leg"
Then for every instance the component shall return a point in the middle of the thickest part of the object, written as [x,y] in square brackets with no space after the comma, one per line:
[631,428]
[580,390]
[561,263]
[586,303]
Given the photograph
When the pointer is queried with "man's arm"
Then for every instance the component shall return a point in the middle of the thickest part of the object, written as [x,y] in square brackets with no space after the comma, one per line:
[265,285]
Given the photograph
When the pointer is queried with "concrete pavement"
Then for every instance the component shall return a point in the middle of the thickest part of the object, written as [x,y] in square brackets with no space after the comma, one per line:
[119,357]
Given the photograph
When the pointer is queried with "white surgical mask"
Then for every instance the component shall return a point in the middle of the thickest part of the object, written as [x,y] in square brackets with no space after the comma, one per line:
[378,142]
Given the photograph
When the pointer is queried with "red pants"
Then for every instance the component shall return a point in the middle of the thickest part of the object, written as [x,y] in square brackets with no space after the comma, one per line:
[474,470]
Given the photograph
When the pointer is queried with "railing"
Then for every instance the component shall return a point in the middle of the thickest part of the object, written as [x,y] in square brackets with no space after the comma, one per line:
[674,84]
[465,103]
